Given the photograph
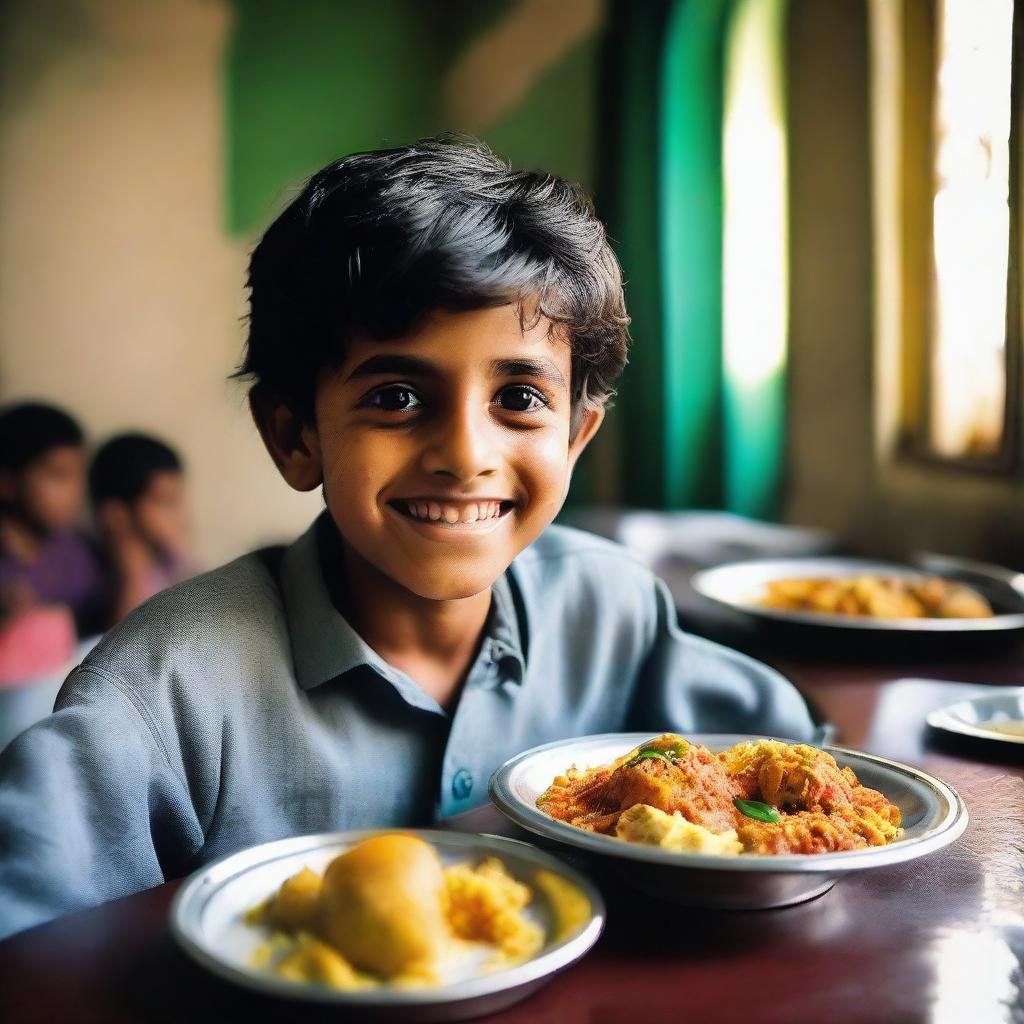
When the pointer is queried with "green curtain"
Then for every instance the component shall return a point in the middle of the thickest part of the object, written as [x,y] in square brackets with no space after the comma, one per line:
[691,437]
[690,166]
[628,198]
[757,257]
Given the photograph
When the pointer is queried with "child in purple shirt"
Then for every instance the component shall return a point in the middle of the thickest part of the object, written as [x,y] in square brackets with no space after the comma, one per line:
[44,558]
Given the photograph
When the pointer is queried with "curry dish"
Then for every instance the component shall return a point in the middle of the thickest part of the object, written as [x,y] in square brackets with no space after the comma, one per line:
[758,797]
[880,597]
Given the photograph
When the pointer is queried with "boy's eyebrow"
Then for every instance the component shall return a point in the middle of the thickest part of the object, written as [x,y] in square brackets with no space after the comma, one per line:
[411,365]
[416,367]
[542,368]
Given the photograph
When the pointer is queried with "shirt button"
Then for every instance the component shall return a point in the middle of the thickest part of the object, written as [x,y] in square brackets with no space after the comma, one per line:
[462,784]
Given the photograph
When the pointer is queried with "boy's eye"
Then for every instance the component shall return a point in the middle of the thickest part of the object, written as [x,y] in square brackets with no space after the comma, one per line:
[393,399]
[520,398]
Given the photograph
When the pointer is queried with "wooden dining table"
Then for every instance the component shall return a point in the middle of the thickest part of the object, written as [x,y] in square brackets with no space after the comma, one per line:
[937,939]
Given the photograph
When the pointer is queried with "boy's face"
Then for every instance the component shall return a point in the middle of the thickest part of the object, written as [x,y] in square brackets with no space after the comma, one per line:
[50,491]
[445,453]
[161,514]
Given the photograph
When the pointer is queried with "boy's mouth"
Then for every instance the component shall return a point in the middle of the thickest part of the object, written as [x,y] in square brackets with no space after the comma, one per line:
[453,514]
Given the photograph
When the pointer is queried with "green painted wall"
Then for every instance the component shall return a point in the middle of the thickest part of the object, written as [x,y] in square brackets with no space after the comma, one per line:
[308,81]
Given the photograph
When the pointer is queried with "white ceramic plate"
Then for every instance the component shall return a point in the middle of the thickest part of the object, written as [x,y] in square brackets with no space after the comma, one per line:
[740,585]
[969,717]
[207,919]
[933,816]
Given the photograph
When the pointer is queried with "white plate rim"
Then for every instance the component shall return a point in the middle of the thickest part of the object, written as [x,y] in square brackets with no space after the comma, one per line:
[947,718]
[190,897]
[950,828]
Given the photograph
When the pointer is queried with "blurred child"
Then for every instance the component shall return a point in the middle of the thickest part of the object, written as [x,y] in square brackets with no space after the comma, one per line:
[137,486]
[44,558]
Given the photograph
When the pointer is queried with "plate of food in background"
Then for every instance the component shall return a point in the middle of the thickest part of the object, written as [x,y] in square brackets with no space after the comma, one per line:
[994,716]
[728,821]
[938,595]
[410,925]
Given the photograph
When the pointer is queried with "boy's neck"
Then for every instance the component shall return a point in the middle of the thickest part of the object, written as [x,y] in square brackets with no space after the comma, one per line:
[433,642]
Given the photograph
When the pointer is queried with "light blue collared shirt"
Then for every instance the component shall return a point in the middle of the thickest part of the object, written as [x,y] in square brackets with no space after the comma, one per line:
[241,707]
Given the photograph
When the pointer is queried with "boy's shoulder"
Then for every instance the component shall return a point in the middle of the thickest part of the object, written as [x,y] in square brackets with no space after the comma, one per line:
[214,622]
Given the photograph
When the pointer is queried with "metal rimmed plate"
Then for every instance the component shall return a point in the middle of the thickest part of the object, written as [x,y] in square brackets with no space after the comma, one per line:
[740,585]
[976,717]
[207,920]
[933,816]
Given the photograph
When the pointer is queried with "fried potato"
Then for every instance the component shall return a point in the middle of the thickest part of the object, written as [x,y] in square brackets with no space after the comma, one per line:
[878,597]
[653,827]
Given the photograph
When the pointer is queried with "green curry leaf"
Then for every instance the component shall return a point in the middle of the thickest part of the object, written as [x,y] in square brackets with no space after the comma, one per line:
[758,811]
[648,754]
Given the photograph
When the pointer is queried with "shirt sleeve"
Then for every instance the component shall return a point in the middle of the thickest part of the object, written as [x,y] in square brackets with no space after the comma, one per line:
[90,808]
[689,684]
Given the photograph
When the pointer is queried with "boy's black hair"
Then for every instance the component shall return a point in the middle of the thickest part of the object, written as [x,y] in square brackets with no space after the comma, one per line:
[30,430]
[125,465]
[377,240]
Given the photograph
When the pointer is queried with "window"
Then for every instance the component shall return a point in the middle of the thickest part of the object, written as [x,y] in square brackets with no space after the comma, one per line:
[967,384]
[946,103]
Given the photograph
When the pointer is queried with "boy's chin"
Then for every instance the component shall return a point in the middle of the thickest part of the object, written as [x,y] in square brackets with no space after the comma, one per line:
[454,587]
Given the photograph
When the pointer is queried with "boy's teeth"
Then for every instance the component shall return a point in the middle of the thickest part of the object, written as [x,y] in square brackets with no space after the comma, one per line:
[452,514]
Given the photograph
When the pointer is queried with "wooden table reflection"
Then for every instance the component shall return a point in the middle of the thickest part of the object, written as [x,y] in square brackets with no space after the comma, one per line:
[940,939]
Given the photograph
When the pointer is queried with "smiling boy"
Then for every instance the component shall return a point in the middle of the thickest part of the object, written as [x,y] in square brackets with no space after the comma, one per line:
[432,341]
[442,456]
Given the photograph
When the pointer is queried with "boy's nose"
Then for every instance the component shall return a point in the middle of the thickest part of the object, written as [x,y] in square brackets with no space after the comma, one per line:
[462,447]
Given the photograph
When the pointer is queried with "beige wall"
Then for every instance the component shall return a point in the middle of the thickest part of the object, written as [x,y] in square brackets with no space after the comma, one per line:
[120,295]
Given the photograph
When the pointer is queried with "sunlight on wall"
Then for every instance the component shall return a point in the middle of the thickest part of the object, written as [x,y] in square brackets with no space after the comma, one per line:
[755,254]
[971,225]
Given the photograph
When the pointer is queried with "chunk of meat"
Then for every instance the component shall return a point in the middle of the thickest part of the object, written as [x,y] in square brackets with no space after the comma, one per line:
[788,775]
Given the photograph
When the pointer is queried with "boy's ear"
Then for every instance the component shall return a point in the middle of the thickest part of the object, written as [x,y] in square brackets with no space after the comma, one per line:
[590,421]
[292,442]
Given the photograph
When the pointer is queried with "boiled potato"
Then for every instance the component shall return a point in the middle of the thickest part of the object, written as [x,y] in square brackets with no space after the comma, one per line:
[383,905]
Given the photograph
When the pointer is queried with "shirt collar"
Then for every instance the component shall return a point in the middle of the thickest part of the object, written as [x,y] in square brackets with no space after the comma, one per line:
[325,646]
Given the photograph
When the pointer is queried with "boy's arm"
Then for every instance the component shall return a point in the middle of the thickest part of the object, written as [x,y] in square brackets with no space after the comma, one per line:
[90,808]
[689,684]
